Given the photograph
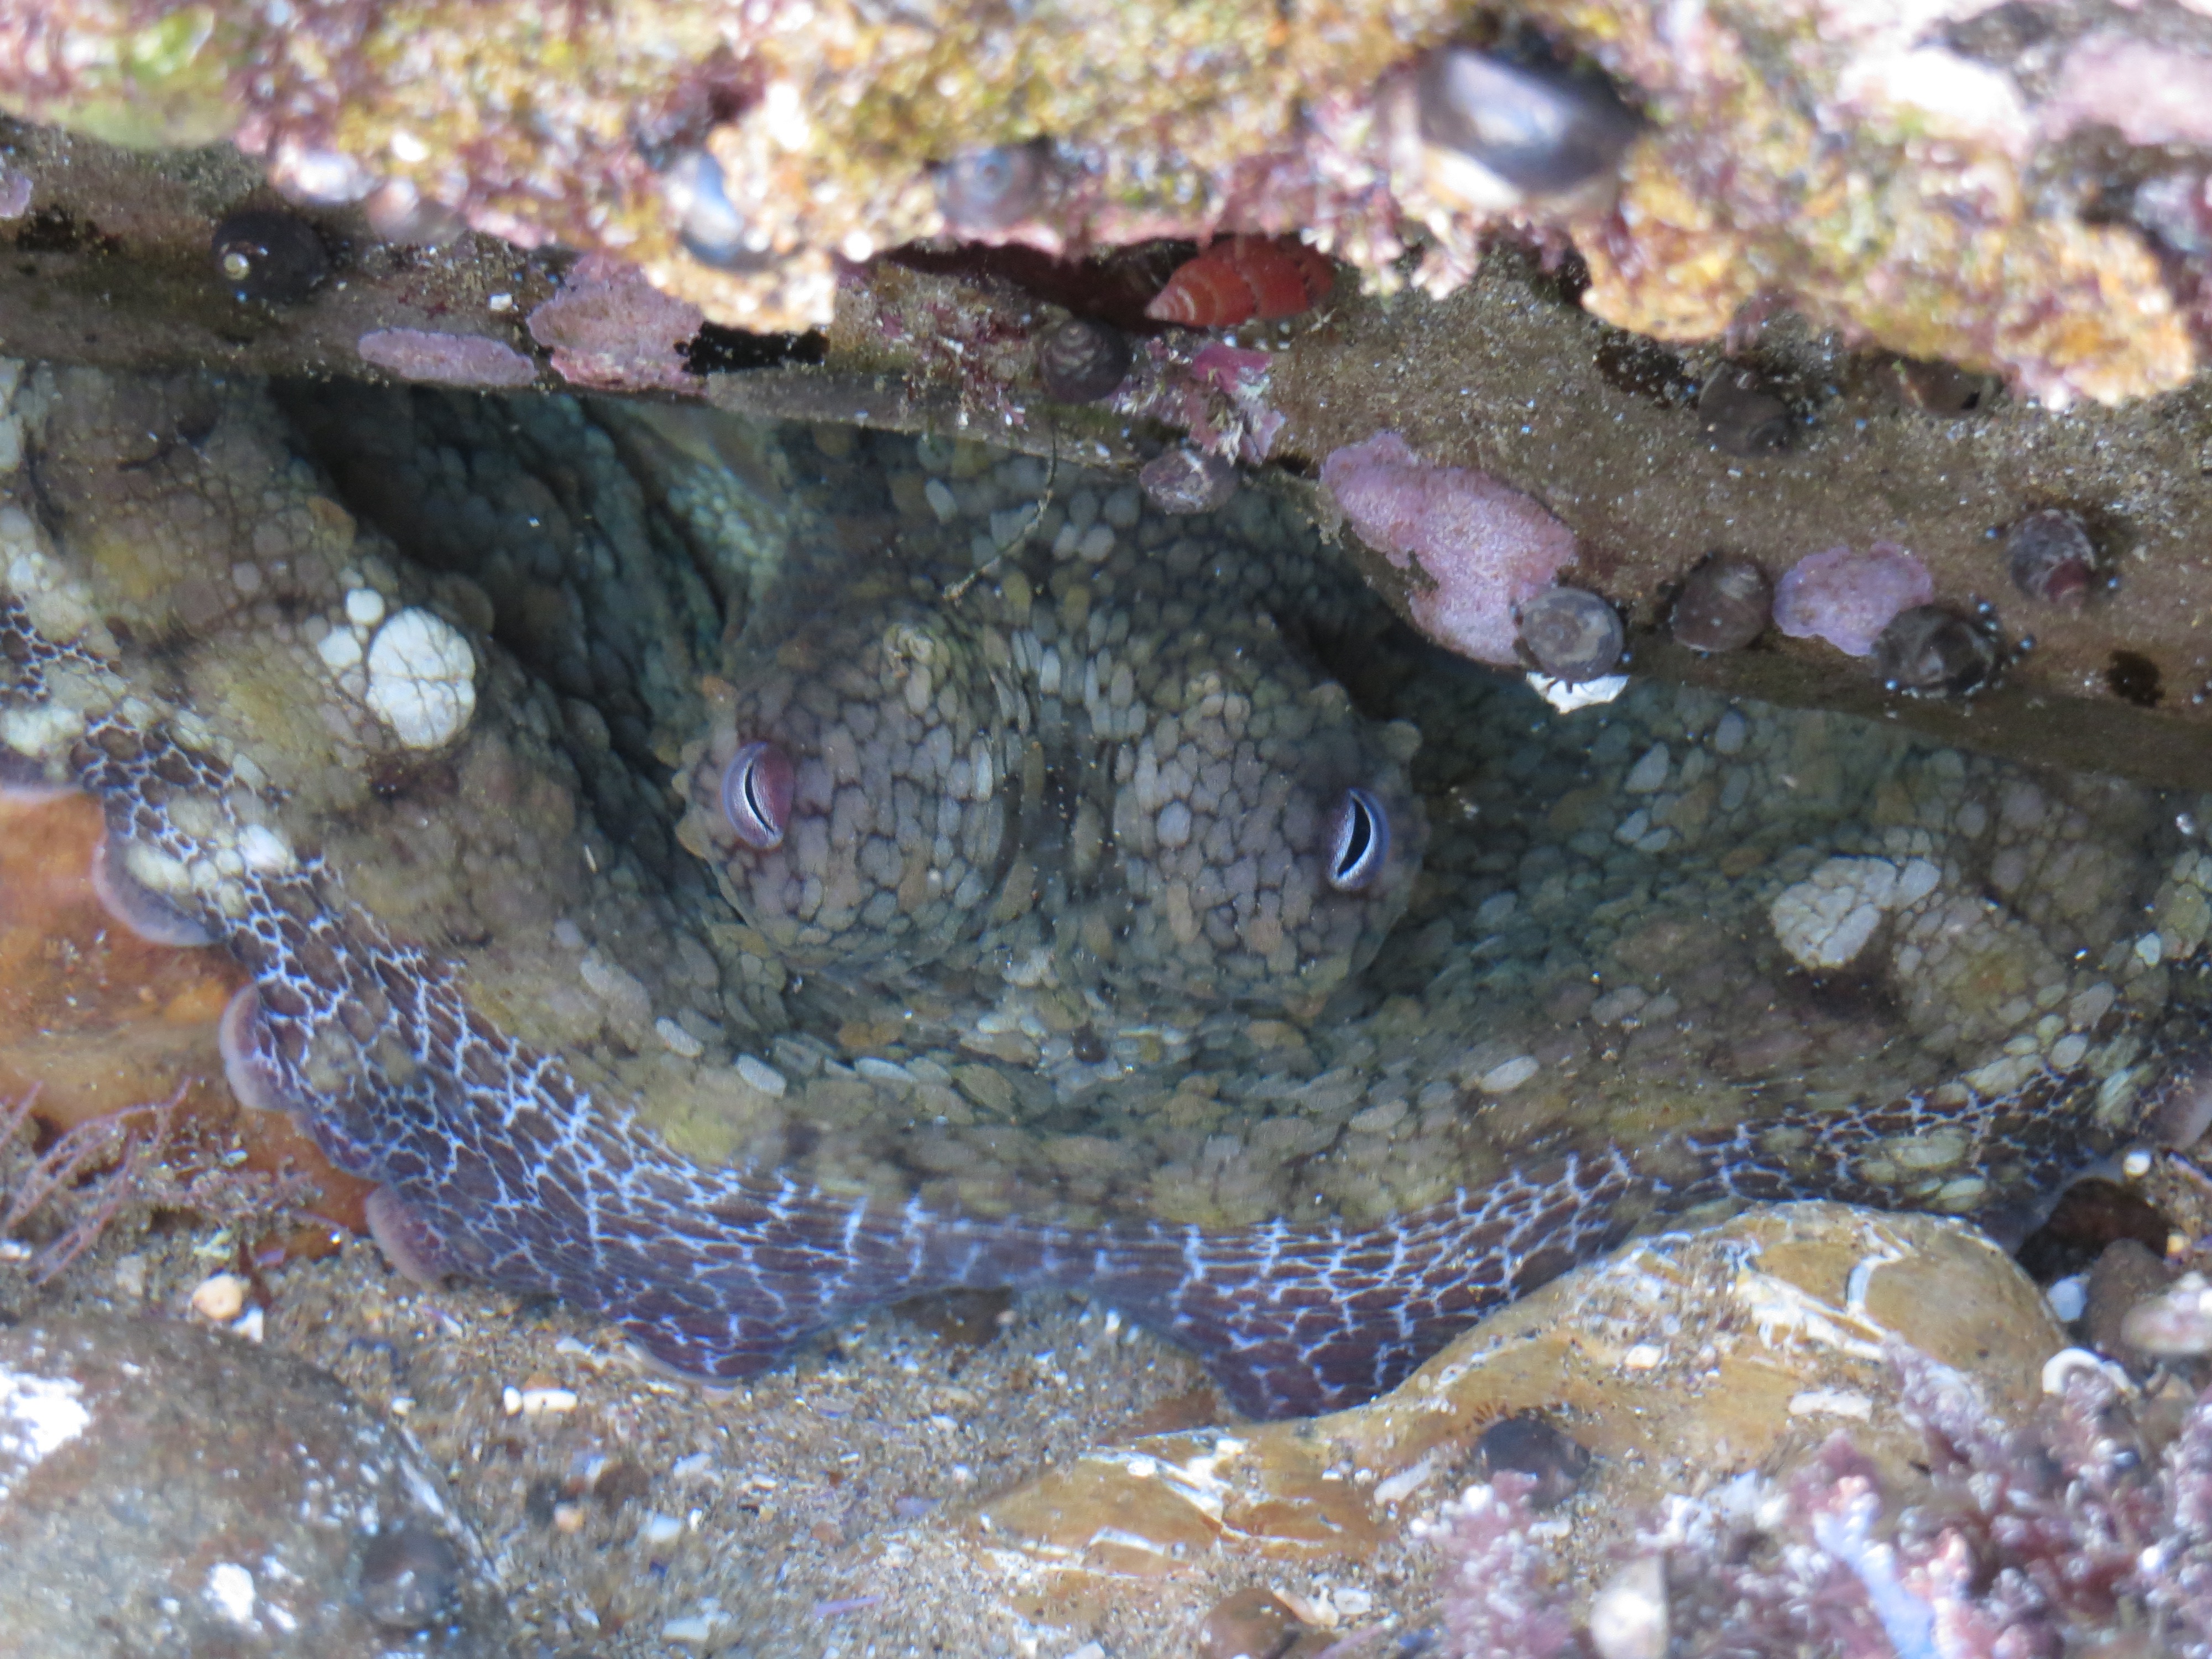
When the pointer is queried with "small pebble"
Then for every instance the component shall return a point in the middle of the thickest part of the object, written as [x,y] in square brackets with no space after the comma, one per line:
[1124,507]
[221,1298]
[1186,479]
[1629,1615]
[1505,1079]
[1943,388]
[1528,1444]
[2069,1298]
[2174,1325]
[1724,605]
[762,1075]
[1931,650]
[408,1576]
[2050,559]
[1573,636]
[1649,775]
[1254,1623]
[676,1040]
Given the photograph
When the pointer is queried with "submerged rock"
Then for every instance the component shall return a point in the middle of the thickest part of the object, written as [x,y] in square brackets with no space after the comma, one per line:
[173,1489]
[1680,1360]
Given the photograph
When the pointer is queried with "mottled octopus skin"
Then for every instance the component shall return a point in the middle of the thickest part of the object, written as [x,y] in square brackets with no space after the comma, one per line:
[504,1168]
[964,802]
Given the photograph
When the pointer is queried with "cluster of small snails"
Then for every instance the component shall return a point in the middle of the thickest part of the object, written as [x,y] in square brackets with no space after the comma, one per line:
[1928,649]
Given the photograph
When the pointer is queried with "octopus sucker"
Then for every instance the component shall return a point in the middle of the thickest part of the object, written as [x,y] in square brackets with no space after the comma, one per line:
[1343,994]
[137,906]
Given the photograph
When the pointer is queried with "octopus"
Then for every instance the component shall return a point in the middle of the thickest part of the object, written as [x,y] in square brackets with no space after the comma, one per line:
[731,878]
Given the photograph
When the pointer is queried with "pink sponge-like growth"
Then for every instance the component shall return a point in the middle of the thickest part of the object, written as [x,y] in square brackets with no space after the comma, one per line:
[414,354]
[610,328]
[1847,598]
[1486,549]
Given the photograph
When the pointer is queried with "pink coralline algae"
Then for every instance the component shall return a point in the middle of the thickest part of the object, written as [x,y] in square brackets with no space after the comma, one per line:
[1485,549]
[2034,1542]
[2150,92]
[1219,392]
[414,354]
[1847,598]
[610,329]
[1497,1598]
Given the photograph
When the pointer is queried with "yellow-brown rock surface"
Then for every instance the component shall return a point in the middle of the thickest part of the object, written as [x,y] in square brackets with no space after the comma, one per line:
[1681,1360]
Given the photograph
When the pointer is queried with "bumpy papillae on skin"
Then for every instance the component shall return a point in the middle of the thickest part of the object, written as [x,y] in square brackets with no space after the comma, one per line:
[495,1163]
[958,805]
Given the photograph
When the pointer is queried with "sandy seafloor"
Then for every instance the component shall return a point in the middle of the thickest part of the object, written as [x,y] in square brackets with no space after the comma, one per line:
[824,1508]
[1597,925]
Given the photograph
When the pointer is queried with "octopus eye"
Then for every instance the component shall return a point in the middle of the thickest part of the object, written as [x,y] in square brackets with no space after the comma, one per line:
[757,787]
[1358,841]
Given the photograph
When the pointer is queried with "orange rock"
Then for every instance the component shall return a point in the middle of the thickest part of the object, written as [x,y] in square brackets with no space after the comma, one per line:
[97,1019]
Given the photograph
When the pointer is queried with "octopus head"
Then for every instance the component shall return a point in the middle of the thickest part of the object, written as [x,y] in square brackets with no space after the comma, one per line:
[897,797]
[850,797]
